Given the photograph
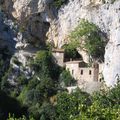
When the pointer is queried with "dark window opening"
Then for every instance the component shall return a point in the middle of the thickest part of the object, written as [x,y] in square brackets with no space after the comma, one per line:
[81,72]
[90,72]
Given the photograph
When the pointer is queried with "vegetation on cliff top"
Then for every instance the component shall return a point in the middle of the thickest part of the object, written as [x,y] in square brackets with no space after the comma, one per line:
[88,37]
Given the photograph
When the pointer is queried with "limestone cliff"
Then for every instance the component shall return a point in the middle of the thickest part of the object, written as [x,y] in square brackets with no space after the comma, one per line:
[43,22]
[107,17]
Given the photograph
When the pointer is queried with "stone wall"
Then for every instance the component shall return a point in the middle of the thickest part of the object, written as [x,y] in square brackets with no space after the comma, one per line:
[58,57]
[86,74]
[73,67]
[83,74]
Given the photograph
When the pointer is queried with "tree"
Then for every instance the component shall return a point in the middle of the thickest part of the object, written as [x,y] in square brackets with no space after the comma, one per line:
[69,106]
[88,37]
[43,65]
[10,105]
[102,105]
[21,118]
[47,112]
[71,52]
[66,79]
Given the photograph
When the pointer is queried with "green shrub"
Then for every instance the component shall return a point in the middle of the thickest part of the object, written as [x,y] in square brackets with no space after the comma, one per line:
[59,3]
[71,52]
[70,105]
[21,118]
[66,79]
[103,105]
[88,37]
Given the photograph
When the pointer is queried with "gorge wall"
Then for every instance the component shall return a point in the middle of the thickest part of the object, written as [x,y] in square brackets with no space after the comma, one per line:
[43,22]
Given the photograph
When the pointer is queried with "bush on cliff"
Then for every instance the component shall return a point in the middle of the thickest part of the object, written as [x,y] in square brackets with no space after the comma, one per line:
[88,37]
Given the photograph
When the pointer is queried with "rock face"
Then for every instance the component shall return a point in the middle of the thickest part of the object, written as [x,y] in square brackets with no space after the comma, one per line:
[35,16]
[6,34]
[43,22]
[24,8]
[107,17]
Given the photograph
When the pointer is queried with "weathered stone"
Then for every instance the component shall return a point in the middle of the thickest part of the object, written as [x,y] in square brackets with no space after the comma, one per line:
[107,17]
[42,23]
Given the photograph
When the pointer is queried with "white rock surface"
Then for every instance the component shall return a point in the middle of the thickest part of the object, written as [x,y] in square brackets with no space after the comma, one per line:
[105,15]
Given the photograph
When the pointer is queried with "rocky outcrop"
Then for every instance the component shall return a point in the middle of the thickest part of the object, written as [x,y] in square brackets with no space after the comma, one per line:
[24,8]
[106,16]
[42,23]
[6,34]
[7,43]
[33,17]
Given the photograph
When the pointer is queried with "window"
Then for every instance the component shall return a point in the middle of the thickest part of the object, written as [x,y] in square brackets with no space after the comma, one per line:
[90,72]
[81,72]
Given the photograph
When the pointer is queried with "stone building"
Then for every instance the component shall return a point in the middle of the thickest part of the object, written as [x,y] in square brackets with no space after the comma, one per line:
[88,78]
[58,56]
[81,72]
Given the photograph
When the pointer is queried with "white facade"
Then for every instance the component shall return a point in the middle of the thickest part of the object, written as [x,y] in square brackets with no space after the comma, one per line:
[86,74]
[83,74]
[73,67]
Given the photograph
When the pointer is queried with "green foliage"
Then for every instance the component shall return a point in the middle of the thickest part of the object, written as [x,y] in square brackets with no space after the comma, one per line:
[66,79]
[5,85]
[59,3]
[47,112]
[42,62]
[103,105]
[69,105]
[97,112]
[32,96]
[9,105]
[21,118]
[36,92]
[5,55]
[43,65]
[22,80]
[41,87]
[35,95]
[71,52]
[87,36]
